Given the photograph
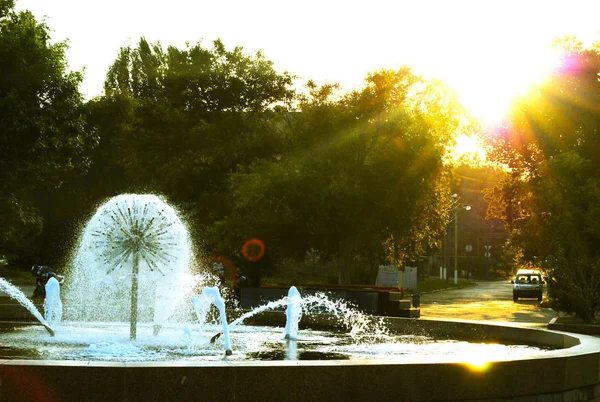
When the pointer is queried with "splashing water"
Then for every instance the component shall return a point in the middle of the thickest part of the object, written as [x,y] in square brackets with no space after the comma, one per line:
[291,349]
[109,351]
[132,242]
[16,294]
[269,306]
[362,327]
[107,342]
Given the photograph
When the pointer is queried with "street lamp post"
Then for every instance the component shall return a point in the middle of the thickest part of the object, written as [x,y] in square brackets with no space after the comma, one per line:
[445,259]
[456,245]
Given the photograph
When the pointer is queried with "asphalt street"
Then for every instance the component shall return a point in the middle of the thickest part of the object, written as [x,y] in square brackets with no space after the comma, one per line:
[486,301]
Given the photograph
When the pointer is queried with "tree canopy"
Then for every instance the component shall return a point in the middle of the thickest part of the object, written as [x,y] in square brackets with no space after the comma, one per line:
[357,178]
[362,178]
[187,118]
[43,135]
[549,198]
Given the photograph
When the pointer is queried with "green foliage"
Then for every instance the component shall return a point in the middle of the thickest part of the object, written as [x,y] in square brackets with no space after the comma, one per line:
[43,138]
[5,7]
[550,197]
[359,179]
[574,285]
[564,224]
[180,121]
[362,179]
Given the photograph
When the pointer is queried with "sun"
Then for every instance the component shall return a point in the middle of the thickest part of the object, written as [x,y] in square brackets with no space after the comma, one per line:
[489,94]
[488,62]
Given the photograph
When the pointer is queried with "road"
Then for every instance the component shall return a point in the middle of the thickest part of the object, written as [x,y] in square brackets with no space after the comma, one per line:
[488,301]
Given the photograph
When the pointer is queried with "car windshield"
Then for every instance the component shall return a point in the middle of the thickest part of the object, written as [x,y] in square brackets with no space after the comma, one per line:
[528,278]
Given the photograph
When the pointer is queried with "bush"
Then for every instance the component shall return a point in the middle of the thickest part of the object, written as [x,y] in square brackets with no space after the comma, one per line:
[574,286]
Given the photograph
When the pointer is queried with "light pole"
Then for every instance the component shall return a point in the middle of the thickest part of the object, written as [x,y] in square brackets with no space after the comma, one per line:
[445,262]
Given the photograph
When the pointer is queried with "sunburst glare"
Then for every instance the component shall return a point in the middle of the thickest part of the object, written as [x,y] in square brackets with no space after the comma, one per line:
[468,148]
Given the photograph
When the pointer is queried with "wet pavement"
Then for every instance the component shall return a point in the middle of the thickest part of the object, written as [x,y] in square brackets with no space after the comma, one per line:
[486,301]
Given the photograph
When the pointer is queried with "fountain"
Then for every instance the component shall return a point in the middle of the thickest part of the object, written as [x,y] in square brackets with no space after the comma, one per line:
[135,327]
[133,242]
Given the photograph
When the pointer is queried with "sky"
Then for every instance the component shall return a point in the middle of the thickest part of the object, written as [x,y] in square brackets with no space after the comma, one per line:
[485,49]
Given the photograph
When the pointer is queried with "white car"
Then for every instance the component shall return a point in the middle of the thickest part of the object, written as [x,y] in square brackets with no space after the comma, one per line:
[528,283]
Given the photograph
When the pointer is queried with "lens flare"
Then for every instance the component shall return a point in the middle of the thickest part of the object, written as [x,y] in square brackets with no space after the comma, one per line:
[253,250]
[478,365]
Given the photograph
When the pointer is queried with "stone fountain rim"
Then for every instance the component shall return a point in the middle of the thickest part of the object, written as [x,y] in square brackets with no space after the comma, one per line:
[577,344]
[571,373]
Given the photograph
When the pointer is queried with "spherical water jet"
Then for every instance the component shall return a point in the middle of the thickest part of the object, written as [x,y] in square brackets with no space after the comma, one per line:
[134,255]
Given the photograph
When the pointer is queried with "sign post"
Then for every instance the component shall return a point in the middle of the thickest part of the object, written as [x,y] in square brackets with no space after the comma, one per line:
[468,249]
[487,256]
[389,275]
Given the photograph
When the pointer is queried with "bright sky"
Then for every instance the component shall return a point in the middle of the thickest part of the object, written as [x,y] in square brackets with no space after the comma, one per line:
[486,49]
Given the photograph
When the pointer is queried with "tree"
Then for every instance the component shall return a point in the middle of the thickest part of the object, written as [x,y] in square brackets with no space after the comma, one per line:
[179,121]
[565,221]
[362,179]
[5,7]
[43,136]
[550,196]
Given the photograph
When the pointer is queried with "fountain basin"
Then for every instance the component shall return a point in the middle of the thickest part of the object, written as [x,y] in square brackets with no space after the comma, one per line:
[569,372]
[134,262]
